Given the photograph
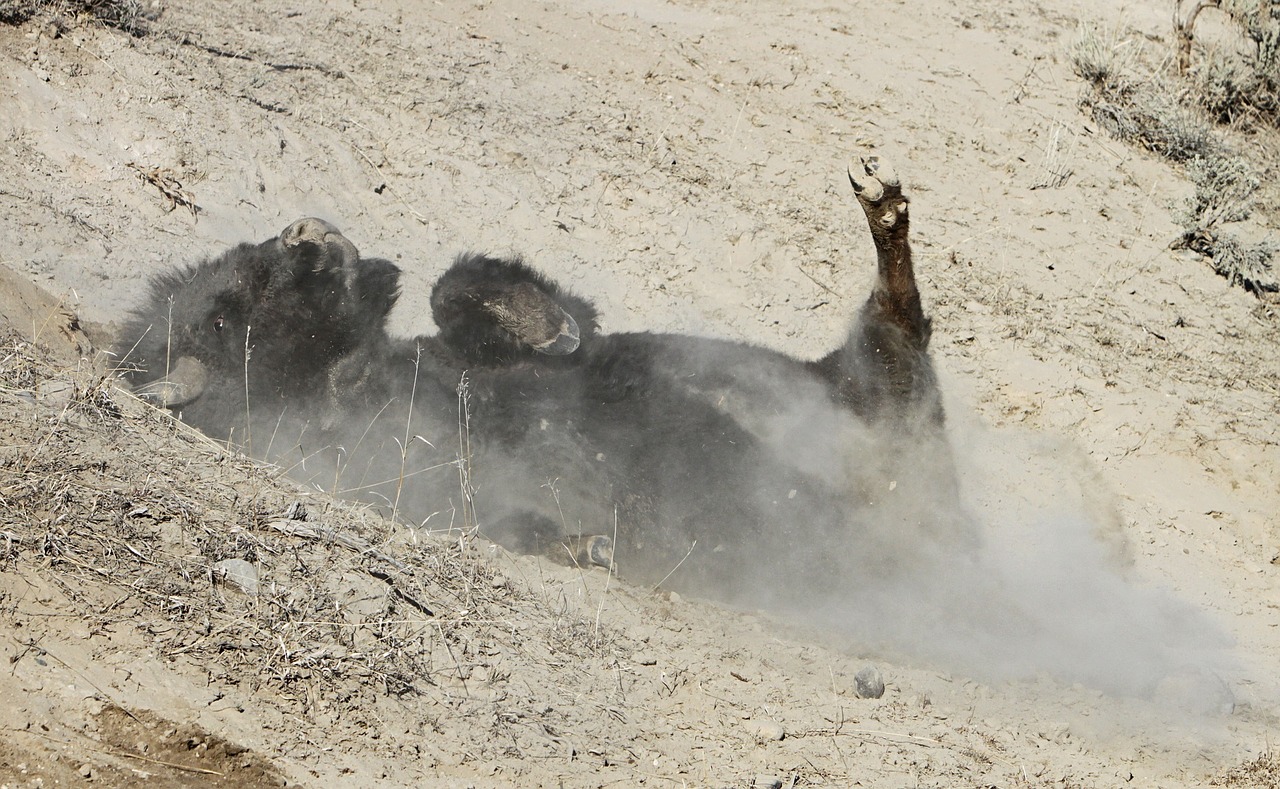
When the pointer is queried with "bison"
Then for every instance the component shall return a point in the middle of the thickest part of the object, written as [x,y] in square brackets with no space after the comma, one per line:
[709,466]
[700,457]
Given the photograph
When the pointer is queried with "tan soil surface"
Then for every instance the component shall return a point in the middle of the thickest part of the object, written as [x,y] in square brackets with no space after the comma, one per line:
[1114,403]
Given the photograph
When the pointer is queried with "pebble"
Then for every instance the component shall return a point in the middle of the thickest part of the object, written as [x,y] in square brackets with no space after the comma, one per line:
[766,730]
[766,782]
[239,573]
[868,683]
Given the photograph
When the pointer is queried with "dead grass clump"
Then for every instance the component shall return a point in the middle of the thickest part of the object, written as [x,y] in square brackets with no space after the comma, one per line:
[1234,80]
[128,15]
[1160,111]
[1247,265]
[1102,56]
[133,516]
[166,180]
[1261,773]
[1149,114]
[1224,191]
[1142,109]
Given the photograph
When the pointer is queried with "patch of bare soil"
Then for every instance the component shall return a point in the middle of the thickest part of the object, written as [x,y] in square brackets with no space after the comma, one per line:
[121,748]
[680,163]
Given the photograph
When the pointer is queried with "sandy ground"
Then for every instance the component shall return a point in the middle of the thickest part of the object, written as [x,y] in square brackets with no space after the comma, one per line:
[1114,403]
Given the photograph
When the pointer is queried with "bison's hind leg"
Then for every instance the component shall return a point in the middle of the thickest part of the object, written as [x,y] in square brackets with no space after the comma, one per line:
[896,300]
[882,371]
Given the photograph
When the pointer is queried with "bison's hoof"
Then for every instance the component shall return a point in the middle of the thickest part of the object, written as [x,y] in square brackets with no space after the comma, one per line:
[337,249]
[878,190]
[596,550]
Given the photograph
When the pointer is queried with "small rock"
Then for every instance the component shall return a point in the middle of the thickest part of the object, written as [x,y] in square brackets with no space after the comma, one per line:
[766,782]
[766,731]
[868,683]
[239,573]
[86,771]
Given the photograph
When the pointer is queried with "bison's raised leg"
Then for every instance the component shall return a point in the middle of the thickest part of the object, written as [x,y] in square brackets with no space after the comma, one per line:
[882,372]
[895,299]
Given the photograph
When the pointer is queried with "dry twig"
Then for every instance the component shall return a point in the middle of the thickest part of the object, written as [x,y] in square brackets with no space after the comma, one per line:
[166,180]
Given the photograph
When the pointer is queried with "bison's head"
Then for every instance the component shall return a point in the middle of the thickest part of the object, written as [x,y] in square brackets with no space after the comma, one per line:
[493,311]
[261,321]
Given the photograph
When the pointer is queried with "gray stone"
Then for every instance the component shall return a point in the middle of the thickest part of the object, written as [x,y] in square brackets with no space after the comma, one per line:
[238,573]
[766,730]
[868,683]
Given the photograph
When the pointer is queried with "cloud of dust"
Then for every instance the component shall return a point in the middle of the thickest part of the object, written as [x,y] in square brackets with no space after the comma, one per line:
[1022,576]
[990,553]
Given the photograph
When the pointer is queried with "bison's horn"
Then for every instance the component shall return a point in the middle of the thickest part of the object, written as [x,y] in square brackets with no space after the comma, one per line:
[184,383]
[311,230]
[566,340]
[534,319]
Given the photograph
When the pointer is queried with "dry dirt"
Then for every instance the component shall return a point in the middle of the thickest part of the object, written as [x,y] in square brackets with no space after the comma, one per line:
[681,162]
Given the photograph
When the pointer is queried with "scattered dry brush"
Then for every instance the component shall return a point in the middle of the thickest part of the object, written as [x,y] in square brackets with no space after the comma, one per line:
[133,516]
[128,15]
[1165,112]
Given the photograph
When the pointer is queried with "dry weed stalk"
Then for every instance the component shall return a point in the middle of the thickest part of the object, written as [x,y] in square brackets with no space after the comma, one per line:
[101,498]
[166,180]
[1183,26]
[469,521]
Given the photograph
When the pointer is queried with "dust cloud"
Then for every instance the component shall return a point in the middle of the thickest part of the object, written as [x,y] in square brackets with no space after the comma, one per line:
[1027,577]
[995,554]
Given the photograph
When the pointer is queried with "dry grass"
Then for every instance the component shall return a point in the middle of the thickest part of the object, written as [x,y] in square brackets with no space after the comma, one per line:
[128,512]
[166,180]
[1168,113]
[1241,80]
[128,15]
[1261,773]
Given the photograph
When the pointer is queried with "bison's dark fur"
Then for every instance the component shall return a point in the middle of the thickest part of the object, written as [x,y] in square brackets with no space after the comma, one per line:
[262,321]
[702,457]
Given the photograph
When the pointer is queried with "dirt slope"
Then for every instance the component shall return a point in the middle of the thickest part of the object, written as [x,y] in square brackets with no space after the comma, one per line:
[682,163]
